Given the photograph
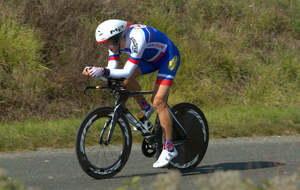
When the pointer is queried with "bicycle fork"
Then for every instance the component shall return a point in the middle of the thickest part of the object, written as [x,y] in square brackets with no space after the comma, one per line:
[112,123]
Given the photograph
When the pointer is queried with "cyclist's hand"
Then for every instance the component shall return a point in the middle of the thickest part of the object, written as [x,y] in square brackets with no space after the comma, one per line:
[86,71]
[96,72]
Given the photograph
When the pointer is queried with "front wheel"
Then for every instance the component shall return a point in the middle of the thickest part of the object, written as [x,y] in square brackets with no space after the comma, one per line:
[97,158]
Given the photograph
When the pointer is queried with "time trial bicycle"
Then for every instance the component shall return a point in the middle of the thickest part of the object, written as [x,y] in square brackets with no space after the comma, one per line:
[104,138]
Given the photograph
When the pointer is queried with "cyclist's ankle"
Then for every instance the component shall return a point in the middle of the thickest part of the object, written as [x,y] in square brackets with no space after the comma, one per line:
[144,105]
[169,145]
[148,112]
[164,144]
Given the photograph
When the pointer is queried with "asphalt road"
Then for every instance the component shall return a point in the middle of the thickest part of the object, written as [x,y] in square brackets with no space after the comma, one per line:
[255,158]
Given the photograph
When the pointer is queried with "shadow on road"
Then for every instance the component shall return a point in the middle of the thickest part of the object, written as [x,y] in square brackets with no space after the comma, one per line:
[142,174]
[232,166]
[217,167]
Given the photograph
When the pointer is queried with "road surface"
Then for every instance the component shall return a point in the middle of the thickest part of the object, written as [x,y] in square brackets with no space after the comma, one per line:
[255,158]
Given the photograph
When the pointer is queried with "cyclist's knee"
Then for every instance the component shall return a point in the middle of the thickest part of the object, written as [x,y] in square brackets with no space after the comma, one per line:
[159,103]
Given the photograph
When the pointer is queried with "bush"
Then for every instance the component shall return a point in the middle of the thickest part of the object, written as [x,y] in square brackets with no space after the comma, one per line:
[21,66]
[234,52]
[230,180]
[8,184]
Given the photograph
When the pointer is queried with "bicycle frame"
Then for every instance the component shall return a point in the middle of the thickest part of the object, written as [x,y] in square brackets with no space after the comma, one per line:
[121,96]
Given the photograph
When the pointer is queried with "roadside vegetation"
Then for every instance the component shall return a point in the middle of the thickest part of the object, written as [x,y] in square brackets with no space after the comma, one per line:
[171,181]
[240,64]
[243,121]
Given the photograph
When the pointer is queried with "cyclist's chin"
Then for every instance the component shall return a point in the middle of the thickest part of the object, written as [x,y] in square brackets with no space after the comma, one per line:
[114,49]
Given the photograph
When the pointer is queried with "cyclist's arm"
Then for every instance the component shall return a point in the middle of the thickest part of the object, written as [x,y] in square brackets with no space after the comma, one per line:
[113,60]
[137,47]
[126,72]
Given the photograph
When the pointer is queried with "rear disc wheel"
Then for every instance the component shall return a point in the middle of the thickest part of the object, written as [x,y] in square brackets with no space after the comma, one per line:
[193,149]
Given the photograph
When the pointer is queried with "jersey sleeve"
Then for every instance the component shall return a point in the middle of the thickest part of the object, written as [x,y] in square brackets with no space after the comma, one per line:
[137,45]
[126,72]
[113,60]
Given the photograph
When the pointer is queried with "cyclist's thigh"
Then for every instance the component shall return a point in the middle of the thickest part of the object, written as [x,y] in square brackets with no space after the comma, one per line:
[168,69]
[165,79]
[146,67]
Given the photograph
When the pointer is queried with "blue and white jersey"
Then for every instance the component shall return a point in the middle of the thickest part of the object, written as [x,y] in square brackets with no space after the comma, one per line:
[150,50]
[143,43]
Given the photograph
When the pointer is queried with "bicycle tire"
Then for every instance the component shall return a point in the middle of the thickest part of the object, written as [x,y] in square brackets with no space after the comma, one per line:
[86,154]
[192,151]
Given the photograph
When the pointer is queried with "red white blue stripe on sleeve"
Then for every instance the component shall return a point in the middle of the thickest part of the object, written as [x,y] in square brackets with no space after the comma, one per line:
[163,79]
[134,60]
[114,57]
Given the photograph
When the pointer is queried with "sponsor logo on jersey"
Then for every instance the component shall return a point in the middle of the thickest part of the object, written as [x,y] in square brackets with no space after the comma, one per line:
[172,63]
[135,45]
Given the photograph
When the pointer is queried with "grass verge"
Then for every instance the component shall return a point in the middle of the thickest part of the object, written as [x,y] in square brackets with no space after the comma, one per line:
[171,181]
[242,121]
[228,121]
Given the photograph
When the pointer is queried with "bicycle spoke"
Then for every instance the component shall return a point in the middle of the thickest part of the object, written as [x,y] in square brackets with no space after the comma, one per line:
[97,158]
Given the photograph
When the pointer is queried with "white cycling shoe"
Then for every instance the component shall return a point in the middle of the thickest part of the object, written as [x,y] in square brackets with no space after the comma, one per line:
[165,158]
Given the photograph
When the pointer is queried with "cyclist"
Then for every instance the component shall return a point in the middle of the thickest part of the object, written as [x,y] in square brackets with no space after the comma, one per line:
[149,50]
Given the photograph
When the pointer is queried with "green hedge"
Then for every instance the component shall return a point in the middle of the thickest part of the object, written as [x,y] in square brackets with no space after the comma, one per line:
[22,69]
[233,52]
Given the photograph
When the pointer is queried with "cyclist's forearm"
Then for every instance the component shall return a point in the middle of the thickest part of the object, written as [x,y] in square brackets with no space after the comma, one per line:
[112,64]
[126,72]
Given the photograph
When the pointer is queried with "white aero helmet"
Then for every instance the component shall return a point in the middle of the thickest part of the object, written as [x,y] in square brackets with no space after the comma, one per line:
[109,29]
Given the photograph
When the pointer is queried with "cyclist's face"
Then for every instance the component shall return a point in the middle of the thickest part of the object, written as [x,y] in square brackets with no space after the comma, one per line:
[108,45]
[112,46]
